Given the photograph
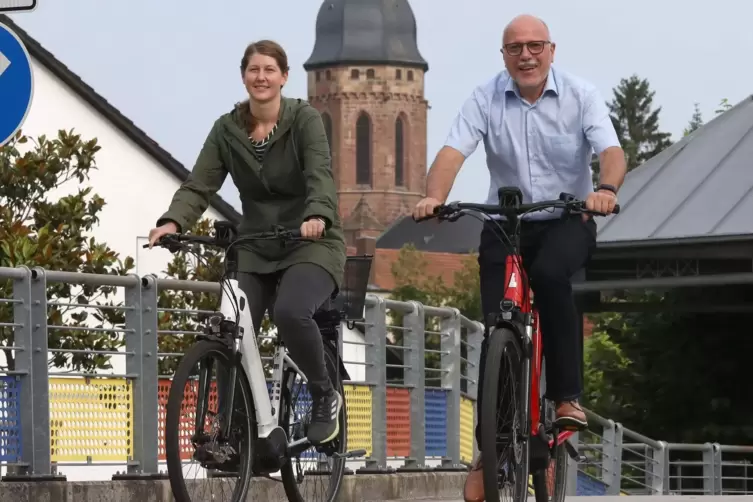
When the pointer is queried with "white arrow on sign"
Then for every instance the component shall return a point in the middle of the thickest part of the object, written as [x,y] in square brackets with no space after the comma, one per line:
[4,63]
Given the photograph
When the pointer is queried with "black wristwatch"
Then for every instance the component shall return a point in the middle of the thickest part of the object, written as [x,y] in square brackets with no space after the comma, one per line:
[610,188]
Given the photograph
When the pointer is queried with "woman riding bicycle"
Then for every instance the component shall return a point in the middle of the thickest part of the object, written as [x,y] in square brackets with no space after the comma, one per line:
[276,151]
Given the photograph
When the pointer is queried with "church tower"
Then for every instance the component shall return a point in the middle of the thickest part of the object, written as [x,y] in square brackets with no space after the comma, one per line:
[366,77]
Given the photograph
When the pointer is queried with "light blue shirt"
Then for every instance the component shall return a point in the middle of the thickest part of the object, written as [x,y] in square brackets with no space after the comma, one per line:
[543,148]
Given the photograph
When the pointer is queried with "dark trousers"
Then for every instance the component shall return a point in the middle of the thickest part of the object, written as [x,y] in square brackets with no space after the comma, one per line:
[553,251]
[293,295]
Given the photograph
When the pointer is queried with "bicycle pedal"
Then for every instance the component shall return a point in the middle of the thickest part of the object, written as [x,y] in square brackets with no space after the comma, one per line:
[350,454]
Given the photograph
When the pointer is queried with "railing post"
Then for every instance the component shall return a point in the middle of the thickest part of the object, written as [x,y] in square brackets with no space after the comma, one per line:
[23,367]
[450,365]
[30,334]
[712,469]
[40,374]
[415,378]
[144,458]
[612,469]
[376,376]
[475,336]
[659,470]
[149,372]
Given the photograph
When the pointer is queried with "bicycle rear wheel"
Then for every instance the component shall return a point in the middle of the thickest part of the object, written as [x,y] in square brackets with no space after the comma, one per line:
[550,484]
[228,462]
[504,448]
[315,474]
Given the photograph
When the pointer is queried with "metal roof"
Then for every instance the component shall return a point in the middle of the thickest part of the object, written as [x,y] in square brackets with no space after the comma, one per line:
[353,32]
[460,237]
[700,187]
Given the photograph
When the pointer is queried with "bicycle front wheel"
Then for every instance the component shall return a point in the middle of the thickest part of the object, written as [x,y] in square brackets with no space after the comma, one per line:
[504,448]
[193,429]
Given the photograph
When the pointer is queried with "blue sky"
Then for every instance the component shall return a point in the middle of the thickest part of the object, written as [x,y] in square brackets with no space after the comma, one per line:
[171,66]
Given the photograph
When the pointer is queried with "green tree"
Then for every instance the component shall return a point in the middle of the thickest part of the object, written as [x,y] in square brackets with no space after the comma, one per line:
[696,121]
[649,368]
[39,228]
[413,282]
[178,309]
[636,122]
[724,105]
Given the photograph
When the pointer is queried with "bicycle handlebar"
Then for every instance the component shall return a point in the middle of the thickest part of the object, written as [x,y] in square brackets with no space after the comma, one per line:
[175,239]
[453,210]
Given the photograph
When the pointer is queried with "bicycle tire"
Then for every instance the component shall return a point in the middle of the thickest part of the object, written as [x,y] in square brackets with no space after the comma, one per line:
[503,346]
[288,476]
[172,420]
[550,484]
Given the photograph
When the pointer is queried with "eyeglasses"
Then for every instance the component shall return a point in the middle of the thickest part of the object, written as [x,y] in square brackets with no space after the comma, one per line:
[516,49]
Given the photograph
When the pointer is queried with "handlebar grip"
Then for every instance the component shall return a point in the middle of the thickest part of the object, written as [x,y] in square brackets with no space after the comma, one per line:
[429,217]
[616,209]
[434,214]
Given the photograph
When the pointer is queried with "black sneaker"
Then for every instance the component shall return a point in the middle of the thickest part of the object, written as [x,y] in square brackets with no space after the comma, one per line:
[325,412]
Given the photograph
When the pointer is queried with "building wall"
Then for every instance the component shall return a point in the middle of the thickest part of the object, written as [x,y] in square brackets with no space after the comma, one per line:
[136,189]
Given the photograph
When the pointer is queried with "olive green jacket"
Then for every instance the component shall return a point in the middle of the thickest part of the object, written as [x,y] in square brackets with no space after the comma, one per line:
[293,183]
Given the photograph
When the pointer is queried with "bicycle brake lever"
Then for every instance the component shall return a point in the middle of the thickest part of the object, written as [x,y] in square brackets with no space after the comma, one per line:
[454,216]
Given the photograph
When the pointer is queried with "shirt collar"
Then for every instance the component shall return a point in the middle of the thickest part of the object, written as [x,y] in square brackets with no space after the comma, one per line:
[551,85]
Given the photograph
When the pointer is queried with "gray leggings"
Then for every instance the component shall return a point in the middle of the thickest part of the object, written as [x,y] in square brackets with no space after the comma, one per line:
[293,296]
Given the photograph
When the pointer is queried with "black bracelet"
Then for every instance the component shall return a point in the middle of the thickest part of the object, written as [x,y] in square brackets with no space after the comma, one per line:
[610,188]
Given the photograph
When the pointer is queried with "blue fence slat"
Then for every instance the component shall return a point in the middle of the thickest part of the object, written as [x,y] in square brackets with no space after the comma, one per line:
[589,486]
[302,406]
[436,422]
[10,423]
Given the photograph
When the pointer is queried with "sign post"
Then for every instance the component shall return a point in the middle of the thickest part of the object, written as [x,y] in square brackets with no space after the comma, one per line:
[16,84]
[17,5]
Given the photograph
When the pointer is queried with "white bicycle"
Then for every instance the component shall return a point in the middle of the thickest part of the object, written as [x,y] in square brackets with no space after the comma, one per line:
[266,430]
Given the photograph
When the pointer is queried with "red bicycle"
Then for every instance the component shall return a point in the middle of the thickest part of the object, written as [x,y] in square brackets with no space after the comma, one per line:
[515,416]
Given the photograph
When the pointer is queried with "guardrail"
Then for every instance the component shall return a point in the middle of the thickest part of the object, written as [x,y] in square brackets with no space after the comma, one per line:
[52,418]
[622,461]
[410,400]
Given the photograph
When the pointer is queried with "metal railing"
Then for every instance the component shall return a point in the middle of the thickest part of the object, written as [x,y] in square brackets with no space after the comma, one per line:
[410,399]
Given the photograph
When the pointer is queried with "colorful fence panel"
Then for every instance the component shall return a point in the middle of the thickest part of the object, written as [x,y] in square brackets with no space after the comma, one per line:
[10,422]
[436,422]
[358,404]
[466,430]
[398,422]
[91,420]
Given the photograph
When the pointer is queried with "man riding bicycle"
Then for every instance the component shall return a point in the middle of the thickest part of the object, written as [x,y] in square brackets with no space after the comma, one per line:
[539,126]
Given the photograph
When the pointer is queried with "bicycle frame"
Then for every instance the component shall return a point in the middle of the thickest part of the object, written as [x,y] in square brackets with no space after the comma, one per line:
[516,293]
[267,408]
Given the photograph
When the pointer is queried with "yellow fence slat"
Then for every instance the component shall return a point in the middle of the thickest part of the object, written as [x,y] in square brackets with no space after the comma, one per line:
[466,429]
[91,419]
[358,405]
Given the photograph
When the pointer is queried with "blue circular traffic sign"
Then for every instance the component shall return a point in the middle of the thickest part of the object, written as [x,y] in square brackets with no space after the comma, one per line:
[16,84]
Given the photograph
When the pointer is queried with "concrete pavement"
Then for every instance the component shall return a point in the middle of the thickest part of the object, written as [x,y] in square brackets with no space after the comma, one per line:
[413,487]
